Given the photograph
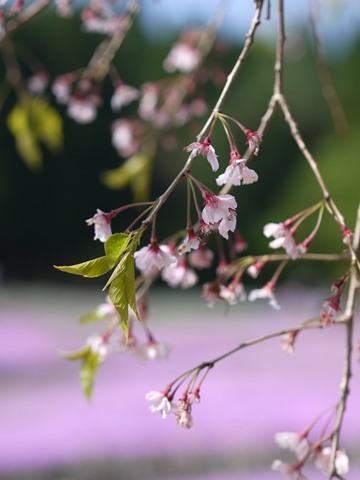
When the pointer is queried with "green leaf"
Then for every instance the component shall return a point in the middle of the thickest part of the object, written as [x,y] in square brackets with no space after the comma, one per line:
[18,119]
[31,121]
[89,366]
[134,172]
[75,354]
[117,294]
[120,267]
[115,247]
[29,149]
[130,282]
[141,183]
[87,373]
[48,124]
[90,269]
[122,291]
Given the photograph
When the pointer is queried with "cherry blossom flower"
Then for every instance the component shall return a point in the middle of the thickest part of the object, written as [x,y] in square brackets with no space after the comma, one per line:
[126,136]
[179,275]
[156,350]
[222,266]
[153,258]
[201,258]
[182,57]
[37,83]
[122,96]
[149,100]
[253,140]
[100,346]
[265,292]
[82,109]
[183,414]
[160,403]
[63,8]
[331,305]
[190,242]
[193,396]
[101,222]
[232,293]
[288,341]
[347,235]
[240,243]
[207,229]
[106,309]
[237,172]
[255,269]
[295,442]
[220,210]
[198,107]
[210,292]
[292,472]
[322,461]
[61,88]
[283,237]
[92,22]
[217,207]
[204,149]
[134,347]
[227,224]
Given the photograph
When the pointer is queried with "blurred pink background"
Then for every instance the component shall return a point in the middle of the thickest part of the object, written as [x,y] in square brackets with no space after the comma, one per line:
[49,431]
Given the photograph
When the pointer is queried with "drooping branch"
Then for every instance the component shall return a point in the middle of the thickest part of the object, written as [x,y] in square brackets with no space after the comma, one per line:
[345,381]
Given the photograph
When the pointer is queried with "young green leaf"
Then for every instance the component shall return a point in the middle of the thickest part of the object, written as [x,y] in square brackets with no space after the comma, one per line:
[91,268]
[134,172]
[87,373]
[75,354]
[130,281]
[115,246]
[117,294]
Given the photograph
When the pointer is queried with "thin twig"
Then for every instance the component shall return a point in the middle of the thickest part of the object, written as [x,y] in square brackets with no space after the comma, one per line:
[304,326]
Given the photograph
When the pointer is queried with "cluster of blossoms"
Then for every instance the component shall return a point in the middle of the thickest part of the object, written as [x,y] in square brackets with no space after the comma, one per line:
[96,16]
[164,104]
[162,402]
[218,215]
[184,56]
[305,453]
[81,95]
